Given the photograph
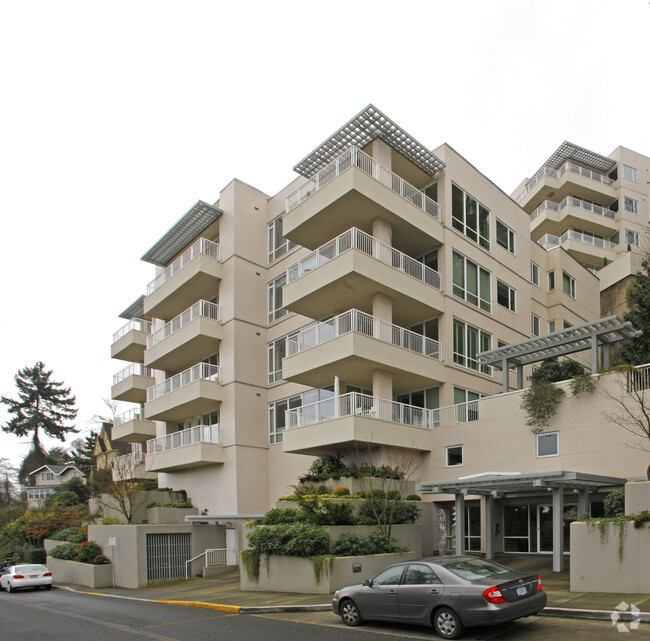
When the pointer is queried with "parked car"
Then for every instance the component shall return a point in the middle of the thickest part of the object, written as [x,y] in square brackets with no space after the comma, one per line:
[26,576]
[448,592]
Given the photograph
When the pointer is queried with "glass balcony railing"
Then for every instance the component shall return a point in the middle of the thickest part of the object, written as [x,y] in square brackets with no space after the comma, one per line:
[135,324]
[133,369]
[579,237]
[190,436]
[201,371]
[201,308]
[571,201]
[135,414]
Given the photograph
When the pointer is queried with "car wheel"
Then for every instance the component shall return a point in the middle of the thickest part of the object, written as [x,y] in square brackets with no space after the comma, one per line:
[447,623]
[10,588]
[47,587]
[350,613]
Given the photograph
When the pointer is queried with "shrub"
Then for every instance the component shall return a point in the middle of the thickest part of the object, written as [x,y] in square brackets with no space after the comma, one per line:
[67,552]
[341,490]
[378,493]
[277,516]
[319,511]
[292,539]
[328,466]
[614,503]
[375,510]
[393,495]
[413,497]
[359,495]
[100,559]
[35,555]
[71,534]
[77,486]
[307,489]
[553,370]
[350,544]
[66,498]
[110,520]
[88,551]
[149,485]
[178,504]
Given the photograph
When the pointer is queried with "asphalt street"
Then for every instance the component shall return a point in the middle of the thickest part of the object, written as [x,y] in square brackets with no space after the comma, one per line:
[59,615]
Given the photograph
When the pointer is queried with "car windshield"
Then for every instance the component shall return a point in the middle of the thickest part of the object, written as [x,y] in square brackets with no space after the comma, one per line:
[475,568]
[29,569]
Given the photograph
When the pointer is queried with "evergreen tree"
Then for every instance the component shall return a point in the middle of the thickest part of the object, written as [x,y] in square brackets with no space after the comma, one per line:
[636,351]
[81,453]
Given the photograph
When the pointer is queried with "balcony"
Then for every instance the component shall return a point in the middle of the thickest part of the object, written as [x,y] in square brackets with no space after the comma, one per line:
[568,180]
[132,427]
[553,218]
[356,188]
[357,420]
[186,339]
[129,341]
[346,272]
[582,247]
[193,392]
[131,383]
[354,344]
[196,446]
[195,273]
[131,466]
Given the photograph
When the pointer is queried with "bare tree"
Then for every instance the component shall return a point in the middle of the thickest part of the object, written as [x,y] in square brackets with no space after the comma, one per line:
[108,416]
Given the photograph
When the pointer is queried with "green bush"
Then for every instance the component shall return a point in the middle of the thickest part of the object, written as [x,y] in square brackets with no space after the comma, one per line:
[100,559]
[178,504]
[110,520]
[350,544]
[71,534]
[401,511]
[291,539]
[35,555]
[277,516]
[88,551]
[79,487]
[413,497]
[393,495]
[341,490]
[308,489]
[66,551]
[378,493]
[553,371]
[66,498]
[614,503]
[149,485]
[328,467]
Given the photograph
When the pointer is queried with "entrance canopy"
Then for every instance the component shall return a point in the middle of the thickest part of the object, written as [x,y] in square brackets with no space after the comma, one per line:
[600,333]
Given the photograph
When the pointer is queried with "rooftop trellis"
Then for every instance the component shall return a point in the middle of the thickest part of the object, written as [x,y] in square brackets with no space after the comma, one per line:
[569,151]
[134,310]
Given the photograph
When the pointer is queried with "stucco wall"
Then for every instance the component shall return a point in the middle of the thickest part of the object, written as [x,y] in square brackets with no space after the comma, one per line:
[92,576]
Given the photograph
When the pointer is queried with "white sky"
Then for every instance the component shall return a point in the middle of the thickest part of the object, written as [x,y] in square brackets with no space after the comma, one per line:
[115,117]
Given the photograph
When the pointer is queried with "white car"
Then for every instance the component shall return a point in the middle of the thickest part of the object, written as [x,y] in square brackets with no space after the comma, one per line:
[26,576]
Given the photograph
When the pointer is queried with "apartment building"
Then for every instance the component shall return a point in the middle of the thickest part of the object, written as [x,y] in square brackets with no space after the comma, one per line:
[345,315]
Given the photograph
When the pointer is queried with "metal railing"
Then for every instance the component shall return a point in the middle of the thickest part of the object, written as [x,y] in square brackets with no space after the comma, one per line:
[356,239]
[354,157]
[638,379]
[570,234]
[200,371]
[200,308]
[134,414]
[132,369]
[137,324]
[381,409]
[571,201]
[361,323]
[567,167]
[201,246]
[213,557]
[189,436]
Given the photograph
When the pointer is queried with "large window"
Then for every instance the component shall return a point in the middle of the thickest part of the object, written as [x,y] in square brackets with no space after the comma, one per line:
[569,284]
[468,342]
[471,282]
[534,273]
[632,237]
[275,298]
[631,205]
[630,173]
[467,402]
[535,325]
[277,351]
[470,217]
[278,244]
[506,296]
[505,237]
[277,409]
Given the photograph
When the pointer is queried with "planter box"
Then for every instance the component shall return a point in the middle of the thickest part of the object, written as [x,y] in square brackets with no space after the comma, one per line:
[293,574]
[169,515]
[92,576]
[637,497]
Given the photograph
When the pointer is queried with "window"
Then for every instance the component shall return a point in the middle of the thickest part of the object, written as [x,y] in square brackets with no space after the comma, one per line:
[455,456]
[551,326]
[615,237]
[534,324]
[419,574]
[569,284]
[390,576]
[630,173]
[74,474]
[432,191]
[548,444]
[566,325]
[471,282]
[632,237]
[468,342]
[506,296]
[275,298]
[47,476]
[277,409]
[505,237]
[551,281]
[469,217]
[430,259]
[534,273]
[467,405]
[428,328]
[631,205]
[278,244]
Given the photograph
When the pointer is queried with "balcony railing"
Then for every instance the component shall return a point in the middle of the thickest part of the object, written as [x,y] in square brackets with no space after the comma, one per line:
[356,239]
[201,246]
[200,308]
[638,379]
[381,409]
[127,462]
[135,414]
[353,157]
[133,369]
[137,324]
[190,436]
[200,371]
[574,202]
[570,234]
[553,173]
[356,321]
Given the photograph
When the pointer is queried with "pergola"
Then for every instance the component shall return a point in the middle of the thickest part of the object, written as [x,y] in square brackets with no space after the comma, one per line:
[496,485]
[594,335]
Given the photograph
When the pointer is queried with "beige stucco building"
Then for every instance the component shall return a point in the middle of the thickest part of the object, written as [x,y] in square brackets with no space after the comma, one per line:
[347,311]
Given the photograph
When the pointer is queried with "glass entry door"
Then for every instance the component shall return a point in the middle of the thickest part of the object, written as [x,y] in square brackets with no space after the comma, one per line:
[544,529]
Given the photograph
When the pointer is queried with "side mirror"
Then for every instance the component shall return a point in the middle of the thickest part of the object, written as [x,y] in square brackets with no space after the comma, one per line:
[367,584]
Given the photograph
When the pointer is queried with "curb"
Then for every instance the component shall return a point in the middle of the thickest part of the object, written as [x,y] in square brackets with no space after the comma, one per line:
[602,615]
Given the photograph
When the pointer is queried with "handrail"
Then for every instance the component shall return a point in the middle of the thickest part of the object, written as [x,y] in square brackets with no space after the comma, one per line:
[203,371]
[570,234]
[201,246]
[200,308]
[354,157]
[354,238]
[137,324]
[189,436]
[574,202]
[212,557]
[359,322]
[132,369]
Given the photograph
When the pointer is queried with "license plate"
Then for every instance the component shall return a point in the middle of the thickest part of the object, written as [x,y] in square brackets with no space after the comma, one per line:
[32,576]
[522,591]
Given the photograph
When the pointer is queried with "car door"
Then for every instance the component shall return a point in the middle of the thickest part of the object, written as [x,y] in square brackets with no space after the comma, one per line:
[379,599]
[418,592]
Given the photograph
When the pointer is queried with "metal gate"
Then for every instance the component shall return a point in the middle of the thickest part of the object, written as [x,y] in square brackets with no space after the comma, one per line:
[166,555]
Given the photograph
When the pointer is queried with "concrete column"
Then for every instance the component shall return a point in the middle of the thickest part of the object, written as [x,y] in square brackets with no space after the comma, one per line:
[594,354]
[460,524]
[382,307]
[382,230]
[558,534]
[489,526]
[381,152]
[382,384]
[583,502]
[606,356]
[520,377]
[506,375]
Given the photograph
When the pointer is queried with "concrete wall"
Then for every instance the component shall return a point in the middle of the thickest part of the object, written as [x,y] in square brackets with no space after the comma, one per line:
[169,515]
[106,507]
[92,576]
[637,497]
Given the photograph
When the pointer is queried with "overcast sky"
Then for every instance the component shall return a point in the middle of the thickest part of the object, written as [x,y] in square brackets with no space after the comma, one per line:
[117,116]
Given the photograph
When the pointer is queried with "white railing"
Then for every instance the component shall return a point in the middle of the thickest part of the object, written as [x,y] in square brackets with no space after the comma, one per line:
[359,322]
[570,167]
[356,239]
[201,246]
[570,234]
[135,414]
[353,157]
[382,410]
[200,371]
[190,436]
[638,379]
[133,369]
[137,324]
[574,202]
[200,308]
[213,557]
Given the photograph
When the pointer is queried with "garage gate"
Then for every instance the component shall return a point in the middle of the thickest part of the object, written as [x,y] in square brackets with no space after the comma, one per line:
[166,555]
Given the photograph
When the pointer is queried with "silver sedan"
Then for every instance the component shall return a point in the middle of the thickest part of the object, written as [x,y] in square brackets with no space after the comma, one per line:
[448,592]
[26,576]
